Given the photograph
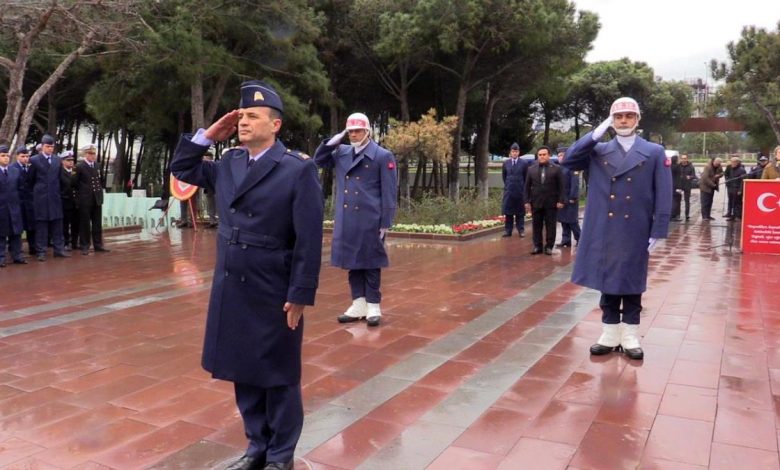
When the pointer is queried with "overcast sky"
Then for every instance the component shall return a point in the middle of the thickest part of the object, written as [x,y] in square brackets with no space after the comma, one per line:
[675,37]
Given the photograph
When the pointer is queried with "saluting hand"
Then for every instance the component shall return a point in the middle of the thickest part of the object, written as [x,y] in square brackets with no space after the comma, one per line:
[559,205]
[294,314]
[224,128]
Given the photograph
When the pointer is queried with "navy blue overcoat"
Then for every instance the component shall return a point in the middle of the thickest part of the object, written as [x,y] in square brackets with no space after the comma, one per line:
[10,211]
[570,212]
[629,201]
[366,192]
[269,251]
[513,175]
[45,177]
[25,196]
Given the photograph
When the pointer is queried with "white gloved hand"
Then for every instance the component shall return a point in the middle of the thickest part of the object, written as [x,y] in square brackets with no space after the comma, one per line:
[382,232]
[651,244]
[337,138]
[598,133]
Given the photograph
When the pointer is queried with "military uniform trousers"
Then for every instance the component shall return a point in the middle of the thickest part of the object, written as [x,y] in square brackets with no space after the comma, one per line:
[567,229]
[70,226]
[515,219]
[544,217]
[366,283]
[90,223]
[12,243]
[273,419]
[43,230]
[611,311]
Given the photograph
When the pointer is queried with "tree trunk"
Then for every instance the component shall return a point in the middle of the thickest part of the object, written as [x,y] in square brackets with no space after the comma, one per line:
[770,117]
[419,176]
[547,119]
[454,166]
[481,158]
[197,103]
[216,98]
[51,125]
[577,126]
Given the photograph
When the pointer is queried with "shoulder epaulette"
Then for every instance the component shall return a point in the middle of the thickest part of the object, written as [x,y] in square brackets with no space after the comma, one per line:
[299,154]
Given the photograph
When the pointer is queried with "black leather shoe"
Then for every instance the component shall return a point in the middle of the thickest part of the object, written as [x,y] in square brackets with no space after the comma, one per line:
[548,251]
[100,249]
[67,248]
[536,251]
[676,219]
[635,353]
[247,463]
[506,235]
[563,245]
[348,319]
[41,257]
[2,264]
[62,254]
[373,321]
[279,465]
[522,234]
[599,349]
[20,261]
[85,252]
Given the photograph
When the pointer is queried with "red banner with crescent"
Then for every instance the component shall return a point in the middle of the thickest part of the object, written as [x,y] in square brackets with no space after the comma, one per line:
[181,190]
[761,216]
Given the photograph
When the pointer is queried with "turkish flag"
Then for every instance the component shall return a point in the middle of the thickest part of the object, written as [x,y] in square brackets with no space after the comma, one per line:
[761,216]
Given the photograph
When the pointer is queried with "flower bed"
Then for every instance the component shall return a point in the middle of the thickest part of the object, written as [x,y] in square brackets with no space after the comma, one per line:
[464,231]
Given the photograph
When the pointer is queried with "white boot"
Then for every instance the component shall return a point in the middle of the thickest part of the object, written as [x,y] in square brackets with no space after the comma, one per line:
[355,312]
[373,315]
[629,340]
[608,341]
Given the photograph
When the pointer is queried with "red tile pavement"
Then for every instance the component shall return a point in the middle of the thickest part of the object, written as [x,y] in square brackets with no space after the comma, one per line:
[125,390]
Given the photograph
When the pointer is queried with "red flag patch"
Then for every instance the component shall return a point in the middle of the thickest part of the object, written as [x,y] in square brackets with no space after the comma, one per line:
[391,165]
[667,162]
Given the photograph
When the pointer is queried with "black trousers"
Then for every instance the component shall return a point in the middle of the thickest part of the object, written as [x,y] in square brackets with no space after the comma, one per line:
[273,420]
[706,204]
[611,311]
[735,205]
[686,196]
[44,229]
[544,217]
[366,283]
[676,203]
[14,246]
[70,227]
[91,223]
[567,229]
[516,219]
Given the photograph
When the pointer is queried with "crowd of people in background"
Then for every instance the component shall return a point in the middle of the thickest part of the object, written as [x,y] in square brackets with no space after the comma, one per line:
[50,200]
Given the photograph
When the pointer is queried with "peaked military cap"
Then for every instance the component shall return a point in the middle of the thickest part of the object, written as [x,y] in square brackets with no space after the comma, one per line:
[258,93]
[514,146]
[4,149]
[47,140]
[22,149]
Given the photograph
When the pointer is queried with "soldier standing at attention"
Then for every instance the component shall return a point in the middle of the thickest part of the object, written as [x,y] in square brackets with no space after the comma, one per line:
[366,192]
[70,219]
[45,170]
[26,196]
[10,210]
[627,211]
[269,250]
[90,201]
[513,173]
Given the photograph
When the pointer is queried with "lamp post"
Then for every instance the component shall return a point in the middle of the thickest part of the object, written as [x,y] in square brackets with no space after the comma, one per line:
[704,108]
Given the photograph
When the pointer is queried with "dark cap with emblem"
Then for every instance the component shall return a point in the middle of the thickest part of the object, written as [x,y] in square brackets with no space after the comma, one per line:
[515,146]
[562,149]
[22,150]
[4,149]
[763,158]
[258,93]
[47,140]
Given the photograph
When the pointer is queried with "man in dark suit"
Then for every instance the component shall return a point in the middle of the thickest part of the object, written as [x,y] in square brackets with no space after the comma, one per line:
[513,172]
[545,193]
[269,251]
[90,200]
[10,212]
[45,173]
[26,196]
[70,215]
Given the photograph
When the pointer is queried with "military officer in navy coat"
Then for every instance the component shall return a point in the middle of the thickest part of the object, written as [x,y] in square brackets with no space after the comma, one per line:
[269,248]
[10,210]
[627,211]
[70,220]
[365,203]
[45,174]
[569,214]
[89,197]
[513,173]
[22,163]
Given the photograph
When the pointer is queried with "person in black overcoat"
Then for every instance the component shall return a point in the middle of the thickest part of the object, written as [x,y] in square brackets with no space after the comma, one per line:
[45,173]
[269,250]
[545,193]
[22,163]
[687,179]
[10,211]
[70,214]
[513,172]
[569,215]
[89,186]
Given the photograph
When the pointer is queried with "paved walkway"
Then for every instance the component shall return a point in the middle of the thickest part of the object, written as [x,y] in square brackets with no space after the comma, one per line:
[481,362]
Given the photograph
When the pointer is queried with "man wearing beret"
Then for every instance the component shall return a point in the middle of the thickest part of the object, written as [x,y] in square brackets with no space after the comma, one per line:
[269,249]
[513,173]
[10,211]
[89,188]
[628,210]
[45,174]
[365,203]
[22,163]
[70,215]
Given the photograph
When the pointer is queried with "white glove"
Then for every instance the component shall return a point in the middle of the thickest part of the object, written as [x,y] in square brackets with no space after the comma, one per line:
[598,133]
[651,244]
[382,232]
[337,138]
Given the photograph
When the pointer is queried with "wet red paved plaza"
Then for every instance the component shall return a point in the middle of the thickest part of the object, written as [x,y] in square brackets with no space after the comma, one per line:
[481,362]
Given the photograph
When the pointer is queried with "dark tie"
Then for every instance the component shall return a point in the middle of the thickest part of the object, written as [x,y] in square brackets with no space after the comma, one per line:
[5,172]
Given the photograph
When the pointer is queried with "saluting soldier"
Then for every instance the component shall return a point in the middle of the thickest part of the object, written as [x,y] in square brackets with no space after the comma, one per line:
[22,163]
[628,209]
[269,249]
[513,172]
[10,210]
[45,173]
[366,192]
[89,186]
[70,219]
